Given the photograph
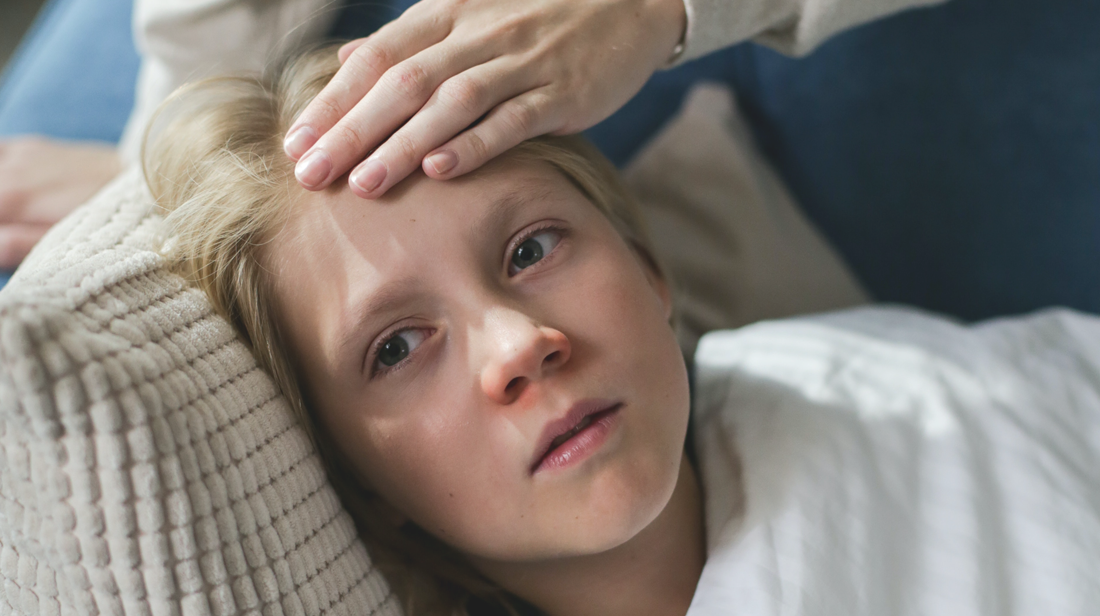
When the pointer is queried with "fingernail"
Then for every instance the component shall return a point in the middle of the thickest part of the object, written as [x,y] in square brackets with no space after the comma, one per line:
[442,162]
[298,141]
[313,169]
[369,175]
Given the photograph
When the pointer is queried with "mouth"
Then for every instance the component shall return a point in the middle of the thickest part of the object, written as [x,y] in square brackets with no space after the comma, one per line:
[579,433]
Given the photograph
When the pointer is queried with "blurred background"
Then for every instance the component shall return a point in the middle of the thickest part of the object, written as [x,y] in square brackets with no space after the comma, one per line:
[15,17]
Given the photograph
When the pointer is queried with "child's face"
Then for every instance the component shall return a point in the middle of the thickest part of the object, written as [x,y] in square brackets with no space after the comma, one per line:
[445,334]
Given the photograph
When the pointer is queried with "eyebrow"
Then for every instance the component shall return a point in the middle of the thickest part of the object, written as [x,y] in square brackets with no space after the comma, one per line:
[392,294]
[385,299]
[506,205]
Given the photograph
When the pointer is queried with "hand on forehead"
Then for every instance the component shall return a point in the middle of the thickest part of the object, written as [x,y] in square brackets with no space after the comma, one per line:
[450,85]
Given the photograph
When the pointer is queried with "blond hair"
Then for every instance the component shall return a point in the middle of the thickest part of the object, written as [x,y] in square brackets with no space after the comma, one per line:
[214,162]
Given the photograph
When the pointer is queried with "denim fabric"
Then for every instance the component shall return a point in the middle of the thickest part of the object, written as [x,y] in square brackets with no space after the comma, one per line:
[73,76]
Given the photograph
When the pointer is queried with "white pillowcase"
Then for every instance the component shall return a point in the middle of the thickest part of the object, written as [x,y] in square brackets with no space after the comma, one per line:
[147,466]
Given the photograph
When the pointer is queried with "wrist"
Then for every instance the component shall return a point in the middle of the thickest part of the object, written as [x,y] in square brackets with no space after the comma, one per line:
[671,16]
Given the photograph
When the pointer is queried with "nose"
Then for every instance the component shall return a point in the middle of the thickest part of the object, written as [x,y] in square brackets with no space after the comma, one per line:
[520,353]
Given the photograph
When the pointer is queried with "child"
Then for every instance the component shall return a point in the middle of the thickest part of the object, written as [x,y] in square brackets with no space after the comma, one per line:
[488,367]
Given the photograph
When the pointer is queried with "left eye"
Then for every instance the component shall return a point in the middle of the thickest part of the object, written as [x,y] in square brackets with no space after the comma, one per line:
[397,347]
[533,249]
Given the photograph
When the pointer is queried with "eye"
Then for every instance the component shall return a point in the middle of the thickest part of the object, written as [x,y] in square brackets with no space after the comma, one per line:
[532,250]
[397,347]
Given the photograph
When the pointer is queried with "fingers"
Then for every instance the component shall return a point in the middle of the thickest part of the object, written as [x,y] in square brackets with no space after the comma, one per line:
[16,242]
[346,49]
[506,126]
[454,106]
[367,60]
[399,94]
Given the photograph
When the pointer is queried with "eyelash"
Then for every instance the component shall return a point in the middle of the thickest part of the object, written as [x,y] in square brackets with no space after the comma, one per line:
[530,233]
[375,349]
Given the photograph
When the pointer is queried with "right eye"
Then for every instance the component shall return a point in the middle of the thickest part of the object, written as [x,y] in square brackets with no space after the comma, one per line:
[397,347]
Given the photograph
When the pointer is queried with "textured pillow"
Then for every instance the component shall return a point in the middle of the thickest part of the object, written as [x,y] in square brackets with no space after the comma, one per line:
[147,466]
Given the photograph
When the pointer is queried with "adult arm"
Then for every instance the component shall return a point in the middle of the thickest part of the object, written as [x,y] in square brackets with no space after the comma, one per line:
[450,85]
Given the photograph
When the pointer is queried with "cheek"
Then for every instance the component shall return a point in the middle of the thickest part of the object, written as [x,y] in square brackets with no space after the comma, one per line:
[620,307]
[433,464]
[614,309]
[635,348]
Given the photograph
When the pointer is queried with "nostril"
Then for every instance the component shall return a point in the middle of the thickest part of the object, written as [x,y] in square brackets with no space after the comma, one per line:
[551,358]
[514,383]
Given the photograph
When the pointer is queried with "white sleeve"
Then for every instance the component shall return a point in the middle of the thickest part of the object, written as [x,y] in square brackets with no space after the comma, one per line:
[185,40]
[793,27]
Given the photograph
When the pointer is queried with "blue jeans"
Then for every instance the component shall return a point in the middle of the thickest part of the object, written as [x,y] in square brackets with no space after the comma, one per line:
[951,154]
[73,75]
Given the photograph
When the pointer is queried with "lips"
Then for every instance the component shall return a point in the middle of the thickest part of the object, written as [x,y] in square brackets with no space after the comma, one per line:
[587,416]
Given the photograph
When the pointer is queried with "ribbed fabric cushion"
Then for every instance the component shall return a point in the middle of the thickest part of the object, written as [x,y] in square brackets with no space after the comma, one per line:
[147,466]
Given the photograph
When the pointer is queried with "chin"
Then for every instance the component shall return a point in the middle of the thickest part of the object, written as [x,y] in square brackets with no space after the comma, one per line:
[620,502]
[628,502]
[647,505]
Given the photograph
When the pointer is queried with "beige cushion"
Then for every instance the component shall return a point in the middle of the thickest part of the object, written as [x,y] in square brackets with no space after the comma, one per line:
[736,244]
[148,467]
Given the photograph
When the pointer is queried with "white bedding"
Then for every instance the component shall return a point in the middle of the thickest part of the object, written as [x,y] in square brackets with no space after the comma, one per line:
[899,463]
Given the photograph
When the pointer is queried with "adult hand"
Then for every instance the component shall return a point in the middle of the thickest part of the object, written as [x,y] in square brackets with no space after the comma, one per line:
[40,182]
[524,68]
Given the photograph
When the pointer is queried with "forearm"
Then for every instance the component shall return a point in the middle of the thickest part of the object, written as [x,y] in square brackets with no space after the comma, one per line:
[794,27]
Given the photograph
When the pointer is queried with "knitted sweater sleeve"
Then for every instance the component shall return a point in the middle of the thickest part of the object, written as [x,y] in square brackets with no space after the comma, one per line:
[793,27]
[185,40]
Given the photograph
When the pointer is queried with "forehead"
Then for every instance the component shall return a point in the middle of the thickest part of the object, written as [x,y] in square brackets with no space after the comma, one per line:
[330,228]
[336,249]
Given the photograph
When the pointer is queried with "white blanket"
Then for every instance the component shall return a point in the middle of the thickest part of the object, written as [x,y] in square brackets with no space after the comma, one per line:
[899,463]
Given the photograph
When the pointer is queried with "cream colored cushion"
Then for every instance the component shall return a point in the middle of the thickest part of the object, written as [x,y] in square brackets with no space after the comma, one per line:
[148,467]
[738,247]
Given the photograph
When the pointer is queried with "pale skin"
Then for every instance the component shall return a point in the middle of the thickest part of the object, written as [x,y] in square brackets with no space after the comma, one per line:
[491,353]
